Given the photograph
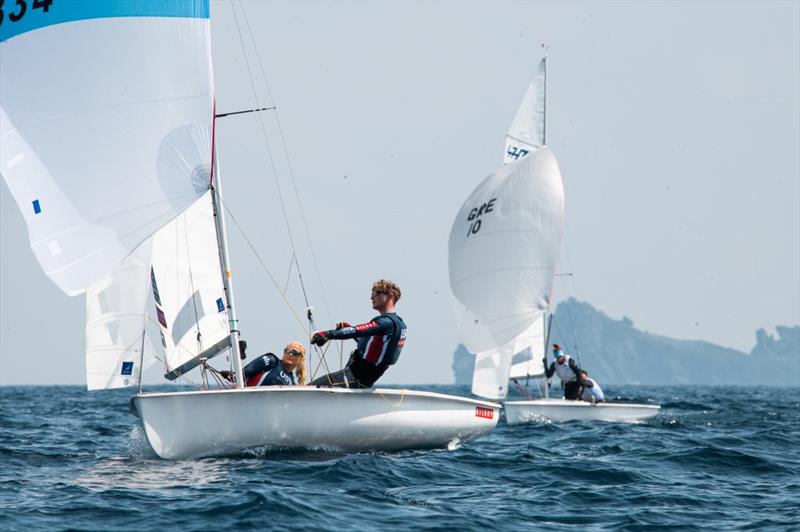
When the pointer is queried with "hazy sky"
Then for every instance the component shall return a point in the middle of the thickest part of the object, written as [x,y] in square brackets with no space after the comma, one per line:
[676,126]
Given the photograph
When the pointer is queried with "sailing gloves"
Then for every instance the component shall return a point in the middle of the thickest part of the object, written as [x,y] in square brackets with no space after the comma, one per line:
[319,338]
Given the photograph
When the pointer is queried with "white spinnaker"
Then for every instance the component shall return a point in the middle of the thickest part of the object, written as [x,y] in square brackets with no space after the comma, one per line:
[503,256]
[527,131]
[188,281]
[105,129]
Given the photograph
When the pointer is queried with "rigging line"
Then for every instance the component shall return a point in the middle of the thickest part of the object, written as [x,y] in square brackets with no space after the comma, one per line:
[289,273]
[232,113]
[182,376]
[399,403]
[289,164]
[571,277]
[199,336]
[178,345]
[577,355]
[266,140]
[264,266]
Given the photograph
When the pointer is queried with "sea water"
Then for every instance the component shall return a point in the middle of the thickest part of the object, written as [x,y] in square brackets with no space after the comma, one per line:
[715,458]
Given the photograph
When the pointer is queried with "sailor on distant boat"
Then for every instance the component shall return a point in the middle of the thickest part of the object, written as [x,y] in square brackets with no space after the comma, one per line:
[590,390]
[379,341]
[567,370]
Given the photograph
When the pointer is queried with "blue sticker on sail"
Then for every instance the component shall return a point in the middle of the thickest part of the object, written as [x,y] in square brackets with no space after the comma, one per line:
[37,208]
[220,305]
[21,17]
[127,368]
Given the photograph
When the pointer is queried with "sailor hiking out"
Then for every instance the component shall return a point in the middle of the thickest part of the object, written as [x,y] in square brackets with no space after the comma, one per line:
[590,390]
[567,370]
[379,341]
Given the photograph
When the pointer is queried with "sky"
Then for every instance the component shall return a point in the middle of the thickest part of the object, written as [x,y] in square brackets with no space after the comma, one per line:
[676,126]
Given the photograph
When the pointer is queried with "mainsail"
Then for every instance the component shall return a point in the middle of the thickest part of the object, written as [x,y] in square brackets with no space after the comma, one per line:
[189,299]
[527,131]
[106,124]
[503,255]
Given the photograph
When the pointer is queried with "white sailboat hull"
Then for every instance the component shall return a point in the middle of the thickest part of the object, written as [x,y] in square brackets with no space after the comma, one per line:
[568,410]
[181,425]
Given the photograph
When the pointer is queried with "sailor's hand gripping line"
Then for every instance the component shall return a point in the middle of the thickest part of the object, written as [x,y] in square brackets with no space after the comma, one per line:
[318,343]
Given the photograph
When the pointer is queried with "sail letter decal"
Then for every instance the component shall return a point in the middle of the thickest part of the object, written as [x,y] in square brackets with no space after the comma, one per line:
[476,213]
[515,152]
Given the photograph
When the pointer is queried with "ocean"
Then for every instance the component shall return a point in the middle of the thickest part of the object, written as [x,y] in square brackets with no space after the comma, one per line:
[715,458]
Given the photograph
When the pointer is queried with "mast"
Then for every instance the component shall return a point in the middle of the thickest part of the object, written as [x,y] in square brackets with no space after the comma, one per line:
[544,105]
[225,262]
[549,320]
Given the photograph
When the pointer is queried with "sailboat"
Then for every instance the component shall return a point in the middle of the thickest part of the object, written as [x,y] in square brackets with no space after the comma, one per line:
[504,247]
[107,144]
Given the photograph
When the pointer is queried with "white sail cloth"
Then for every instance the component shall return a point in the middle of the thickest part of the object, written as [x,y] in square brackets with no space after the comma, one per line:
[187,285]
[522,357]
[116,319]
[504,251]
[170,290]
[106,112]
[503,255]
[527,131]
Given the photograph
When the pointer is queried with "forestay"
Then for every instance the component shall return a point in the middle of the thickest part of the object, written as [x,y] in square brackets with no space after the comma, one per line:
[106,113]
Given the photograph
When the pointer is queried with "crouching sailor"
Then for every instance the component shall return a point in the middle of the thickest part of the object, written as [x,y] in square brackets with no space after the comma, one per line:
[567,370]
[590,390]
[269,370]
[379,341]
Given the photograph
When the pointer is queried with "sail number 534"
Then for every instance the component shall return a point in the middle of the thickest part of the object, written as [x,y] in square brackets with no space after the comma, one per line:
[16,13]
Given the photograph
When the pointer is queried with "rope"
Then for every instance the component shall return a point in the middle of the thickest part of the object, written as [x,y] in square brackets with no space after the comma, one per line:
[577,355]
[266,141]
[220,380]
[289,164]
[400,402]
[569,314]
[264,267]
[182,377]
[192,288]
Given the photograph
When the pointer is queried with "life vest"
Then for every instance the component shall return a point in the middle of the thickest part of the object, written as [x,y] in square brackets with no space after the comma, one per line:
[564,371]
[273,374]
[595,391]
[384,350]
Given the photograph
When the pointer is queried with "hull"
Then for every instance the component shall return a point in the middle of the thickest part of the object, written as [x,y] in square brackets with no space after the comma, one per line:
[184,425]
[566,410]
